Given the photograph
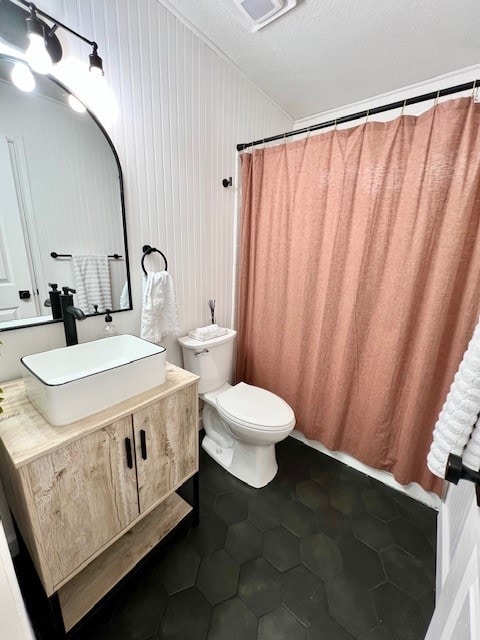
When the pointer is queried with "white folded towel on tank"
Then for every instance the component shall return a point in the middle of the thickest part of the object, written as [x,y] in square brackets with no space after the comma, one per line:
[159,308]
[207,333]
[457,429]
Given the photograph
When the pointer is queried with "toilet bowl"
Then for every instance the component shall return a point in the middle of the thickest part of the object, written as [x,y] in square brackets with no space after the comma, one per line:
[242,422]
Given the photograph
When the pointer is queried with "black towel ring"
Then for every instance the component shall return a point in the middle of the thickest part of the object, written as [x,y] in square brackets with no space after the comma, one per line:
[147,249]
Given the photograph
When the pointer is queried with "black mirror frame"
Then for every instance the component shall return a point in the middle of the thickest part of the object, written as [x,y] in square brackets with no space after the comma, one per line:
[13,60]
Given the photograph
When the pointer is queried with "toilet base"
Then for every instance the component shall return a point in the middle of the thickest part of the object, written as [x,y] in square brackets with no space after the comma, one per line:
[256,465]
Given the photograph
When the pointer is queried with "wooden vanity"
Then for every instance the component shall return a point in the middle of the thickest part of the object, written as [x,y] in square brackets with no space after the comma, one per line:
[92,498]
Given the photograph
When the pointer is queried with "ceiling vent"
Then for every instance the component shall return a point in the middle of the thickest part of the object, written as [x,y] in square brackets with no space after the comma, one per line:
[255,14]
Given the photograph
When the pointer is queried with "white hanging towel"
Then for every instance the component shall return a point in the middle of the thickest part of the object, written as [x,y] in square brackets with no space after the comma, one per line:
[159,310]
[91,274]
[455,430]
[124,297]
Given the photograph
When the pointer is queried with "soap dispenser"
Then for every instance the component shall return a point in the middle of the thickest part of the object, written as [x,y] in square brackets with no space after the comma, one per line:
[109,329]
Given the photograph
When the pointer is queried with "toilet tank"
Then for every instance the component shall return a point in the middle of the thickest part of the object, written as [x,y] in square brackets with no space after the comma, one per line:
[211,359]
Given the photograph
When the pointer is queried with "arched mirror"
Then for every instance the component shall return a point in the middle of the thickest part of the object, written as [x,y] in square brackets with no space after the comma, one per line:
[62,216]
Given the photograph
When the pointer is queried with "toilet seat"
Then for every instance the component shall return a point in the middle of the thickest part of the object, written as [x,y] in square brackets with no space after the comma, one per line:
[255,408]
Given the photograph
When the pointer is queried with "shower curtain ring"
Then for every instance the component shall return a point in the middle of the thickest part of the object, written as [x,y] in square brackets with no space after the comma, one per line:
[368,113]
[309,131]
[336,123]
[475,92]
[436,99]
[403,107]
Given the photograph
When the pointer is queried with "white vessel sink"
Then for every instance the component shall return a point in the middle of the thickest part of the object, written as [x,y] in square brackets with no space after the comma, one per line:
[71,383]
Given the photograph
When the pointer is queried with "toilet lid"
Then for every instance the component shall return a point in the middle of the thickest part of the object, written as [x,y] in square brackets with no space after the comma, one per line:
[256,407]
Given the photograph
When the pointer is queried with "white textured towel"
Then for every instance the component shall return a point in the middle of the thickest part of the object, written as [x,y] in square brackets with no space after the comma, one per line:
[92,282]
[458,417]
[159,310]
[207,333]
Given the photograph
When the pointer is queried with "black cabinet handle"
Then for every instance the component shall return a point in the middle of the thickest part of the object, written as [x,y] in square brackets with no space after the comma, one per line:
[143,443]
[128,449]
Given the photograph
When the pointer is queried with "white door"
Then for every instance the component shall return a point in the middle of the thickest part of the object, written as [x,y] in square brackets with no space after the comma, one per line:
[457,611]
[14,622]
[15,276]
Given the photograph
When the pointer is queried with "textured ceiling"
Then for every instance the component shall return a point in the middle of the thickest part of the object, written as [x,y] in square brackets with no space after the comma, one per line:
[328,53]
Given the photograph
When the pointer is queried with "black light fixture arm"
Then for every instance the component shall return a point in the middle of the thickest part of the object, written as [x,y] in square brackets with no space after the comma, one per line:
[52,29]
[56,23]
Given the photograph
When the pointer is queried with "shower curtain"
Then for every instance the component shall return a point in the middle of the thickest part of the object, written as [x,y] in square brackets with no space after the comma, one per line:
[359,279]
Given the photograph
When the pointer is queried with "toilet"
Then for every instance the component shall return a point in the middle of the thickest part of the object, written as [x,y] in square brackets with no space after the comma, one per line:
[242,422]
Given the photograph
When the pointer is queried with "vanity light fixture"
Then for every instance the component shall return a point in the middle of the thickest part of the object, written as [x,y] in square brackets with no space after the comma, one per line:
[28,28]
[96,63]
[22,77]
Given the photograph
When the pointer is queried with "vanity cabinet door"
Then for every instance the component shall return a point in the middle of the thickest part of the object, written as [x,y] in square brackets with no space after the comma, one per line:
[84,494]
[166,445]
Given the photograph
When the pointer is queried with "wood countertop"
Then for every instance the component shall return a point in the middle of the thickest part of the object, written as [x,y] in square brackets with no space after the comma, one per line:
[26,435]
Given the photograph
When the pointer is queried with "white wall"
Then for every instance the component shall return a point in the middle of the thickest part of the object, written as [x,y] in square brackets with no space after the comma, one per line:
[182,109]
[447,80]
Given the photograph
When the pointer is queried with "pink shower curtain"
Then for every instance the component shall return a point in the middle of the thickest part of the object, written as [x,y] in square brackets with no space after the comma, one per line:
[359,281]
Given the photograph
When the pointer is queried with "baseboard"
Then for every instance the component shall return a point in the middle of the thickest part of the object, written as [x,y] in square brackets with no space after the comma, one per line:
[413,490]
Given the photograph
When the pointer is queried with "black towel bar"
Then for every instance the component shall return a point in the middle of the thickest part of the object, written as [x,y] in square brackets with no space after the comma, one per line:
[54,254]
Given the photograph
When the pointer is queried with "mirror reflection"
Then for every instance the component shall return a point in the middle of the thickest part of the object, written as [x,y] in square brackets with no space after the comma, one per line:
[61,213]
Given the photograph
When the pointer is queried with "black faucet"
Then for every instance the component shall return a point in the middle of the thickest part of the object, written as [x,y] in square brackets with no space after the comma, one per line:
[70,314]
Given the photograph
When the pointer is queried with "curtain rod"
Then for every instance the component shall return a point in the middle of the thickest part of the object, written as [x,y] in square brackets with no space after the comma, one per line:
[368,112]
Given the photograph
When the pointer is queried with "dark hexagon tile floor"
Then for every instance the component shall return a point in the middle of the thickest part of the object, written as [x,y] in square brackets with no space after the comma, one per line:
[322,553]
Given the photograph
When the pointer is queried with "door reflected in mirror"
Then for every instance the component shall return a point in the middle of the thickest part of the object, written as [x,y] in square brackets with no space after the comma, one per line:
[62,219]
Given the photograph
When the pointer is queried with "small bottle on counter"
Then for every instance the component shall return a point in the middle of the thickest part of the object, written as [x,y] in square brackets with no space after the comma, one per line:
[109,329]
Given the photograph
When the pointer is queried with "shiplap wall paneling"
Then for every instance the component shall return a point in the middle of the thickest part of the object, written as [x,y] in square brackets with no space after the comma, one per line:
[181,110]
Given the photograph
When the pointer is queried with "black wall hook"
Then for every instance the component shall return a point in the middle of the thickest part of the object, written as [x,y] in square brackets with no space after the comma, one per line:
[227,182]
[456,471]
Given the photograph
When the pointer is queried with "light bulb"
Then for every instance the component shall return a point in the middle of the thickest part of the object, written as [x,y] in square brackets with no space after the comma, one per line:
[96,64]
[22,77]
[37,54]
[97,73]
[76,104]
[97,83]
